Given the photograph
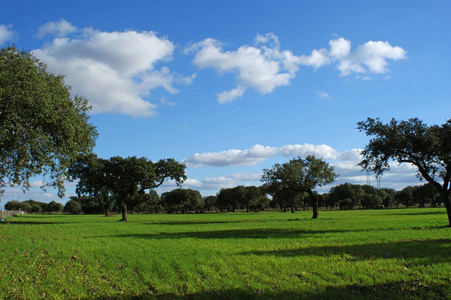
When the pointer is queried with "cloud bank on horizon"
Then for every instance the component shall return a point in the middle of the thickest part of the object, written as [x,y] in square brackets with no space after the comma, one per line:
[117,71]
[345,164]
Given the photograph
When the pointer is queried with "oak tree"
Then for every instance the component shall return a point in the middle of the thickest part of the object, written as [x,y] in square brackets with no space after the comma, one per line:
[42,128]
[301,175]
[428,148]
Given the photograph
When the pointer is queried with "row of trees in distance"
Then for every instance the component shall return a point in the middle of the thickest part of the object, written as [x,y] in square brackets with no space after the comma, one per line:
[249,198]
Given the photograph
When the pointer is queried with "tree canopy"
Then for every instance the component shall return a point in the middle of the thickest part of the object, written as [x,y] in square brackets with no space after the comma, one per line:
[42,128]
[301,175]
[428,148]
[124,180]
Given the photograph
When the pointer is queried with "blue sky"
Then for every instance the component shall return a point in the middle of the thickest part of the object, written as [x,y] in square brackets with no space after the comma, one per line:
[232,87]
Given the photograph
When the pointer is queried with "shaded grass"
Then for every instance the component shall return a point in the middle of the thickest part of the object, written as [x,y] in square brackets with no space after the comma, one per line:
[379,254]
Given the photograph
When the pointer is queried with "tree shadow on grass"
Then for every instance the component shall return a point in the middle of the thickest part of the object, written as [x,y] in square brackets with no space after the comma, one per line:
[417,213]
[431,252]
[15,223]
[193,222]
[390,290]
[253,233]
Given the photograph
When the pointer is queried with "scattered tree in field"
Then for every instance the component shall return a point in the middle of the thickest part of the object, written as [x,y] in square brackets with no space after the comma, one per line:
[182,200]
[286,198]
[428,148]
[94,180]
[301,175]
[42,129]
[231,198]
[124,180]
[132,176]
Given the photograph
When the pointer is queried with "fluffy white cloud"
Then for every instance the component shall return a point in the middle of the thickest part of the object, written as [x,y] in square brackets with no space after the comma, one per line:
[339,48]
[60,28]
[114,70]
[262,67]
[231,95]
[324,151]
[265,67]
[233,157]
[317,59]
[370,57]
[219,182]
[256,154]
[6,33]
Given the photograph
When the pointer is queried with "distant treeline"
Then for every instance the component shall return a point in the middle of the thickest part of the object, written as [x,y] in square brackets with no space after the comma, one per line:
[31,206]
[249,198]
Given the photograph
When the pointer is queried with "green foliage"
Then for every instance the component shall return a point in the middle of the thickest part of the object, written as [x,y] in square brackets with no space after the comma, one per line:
[428,148]
[36,206]
[231,198]
[151,204]
[404,196]
[42,129]
[17,205]
[209,202]
[123,180]
[300,175]
[73,207]
[182,200]
[359,254]
[54,207]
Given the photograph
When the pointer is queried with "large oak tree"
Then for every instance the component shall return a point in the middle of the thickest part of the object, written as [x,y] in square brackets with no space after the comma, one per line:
[42,128]
[125,180]
[428,148]
[301,175]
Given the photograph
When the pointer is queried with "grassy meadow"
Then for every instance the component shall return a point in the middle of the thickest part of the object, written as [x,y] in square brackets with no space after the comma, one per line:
[379,254]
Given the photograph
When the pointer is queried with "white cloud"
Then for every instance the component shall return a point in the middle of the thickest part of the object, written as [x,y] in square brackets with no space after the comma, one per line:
[6,33]
[256,154]
[114,70]
[263,67]
[322,95]
[37,184]
[233,157]
[317,59]
[323,151]
[60,28]
[225,181]
[231,95]
[370,57]
[339,48]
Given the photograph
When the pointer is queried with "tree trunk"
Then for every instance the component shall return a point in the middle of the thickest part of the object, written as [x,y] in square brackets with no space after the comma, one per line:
[314,204]
[447,203]
[106,211]
[124,212]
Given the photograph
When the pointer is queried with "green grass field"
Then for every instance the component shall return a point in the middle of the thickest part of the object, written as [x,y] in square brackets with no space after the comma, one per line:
[394,254]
